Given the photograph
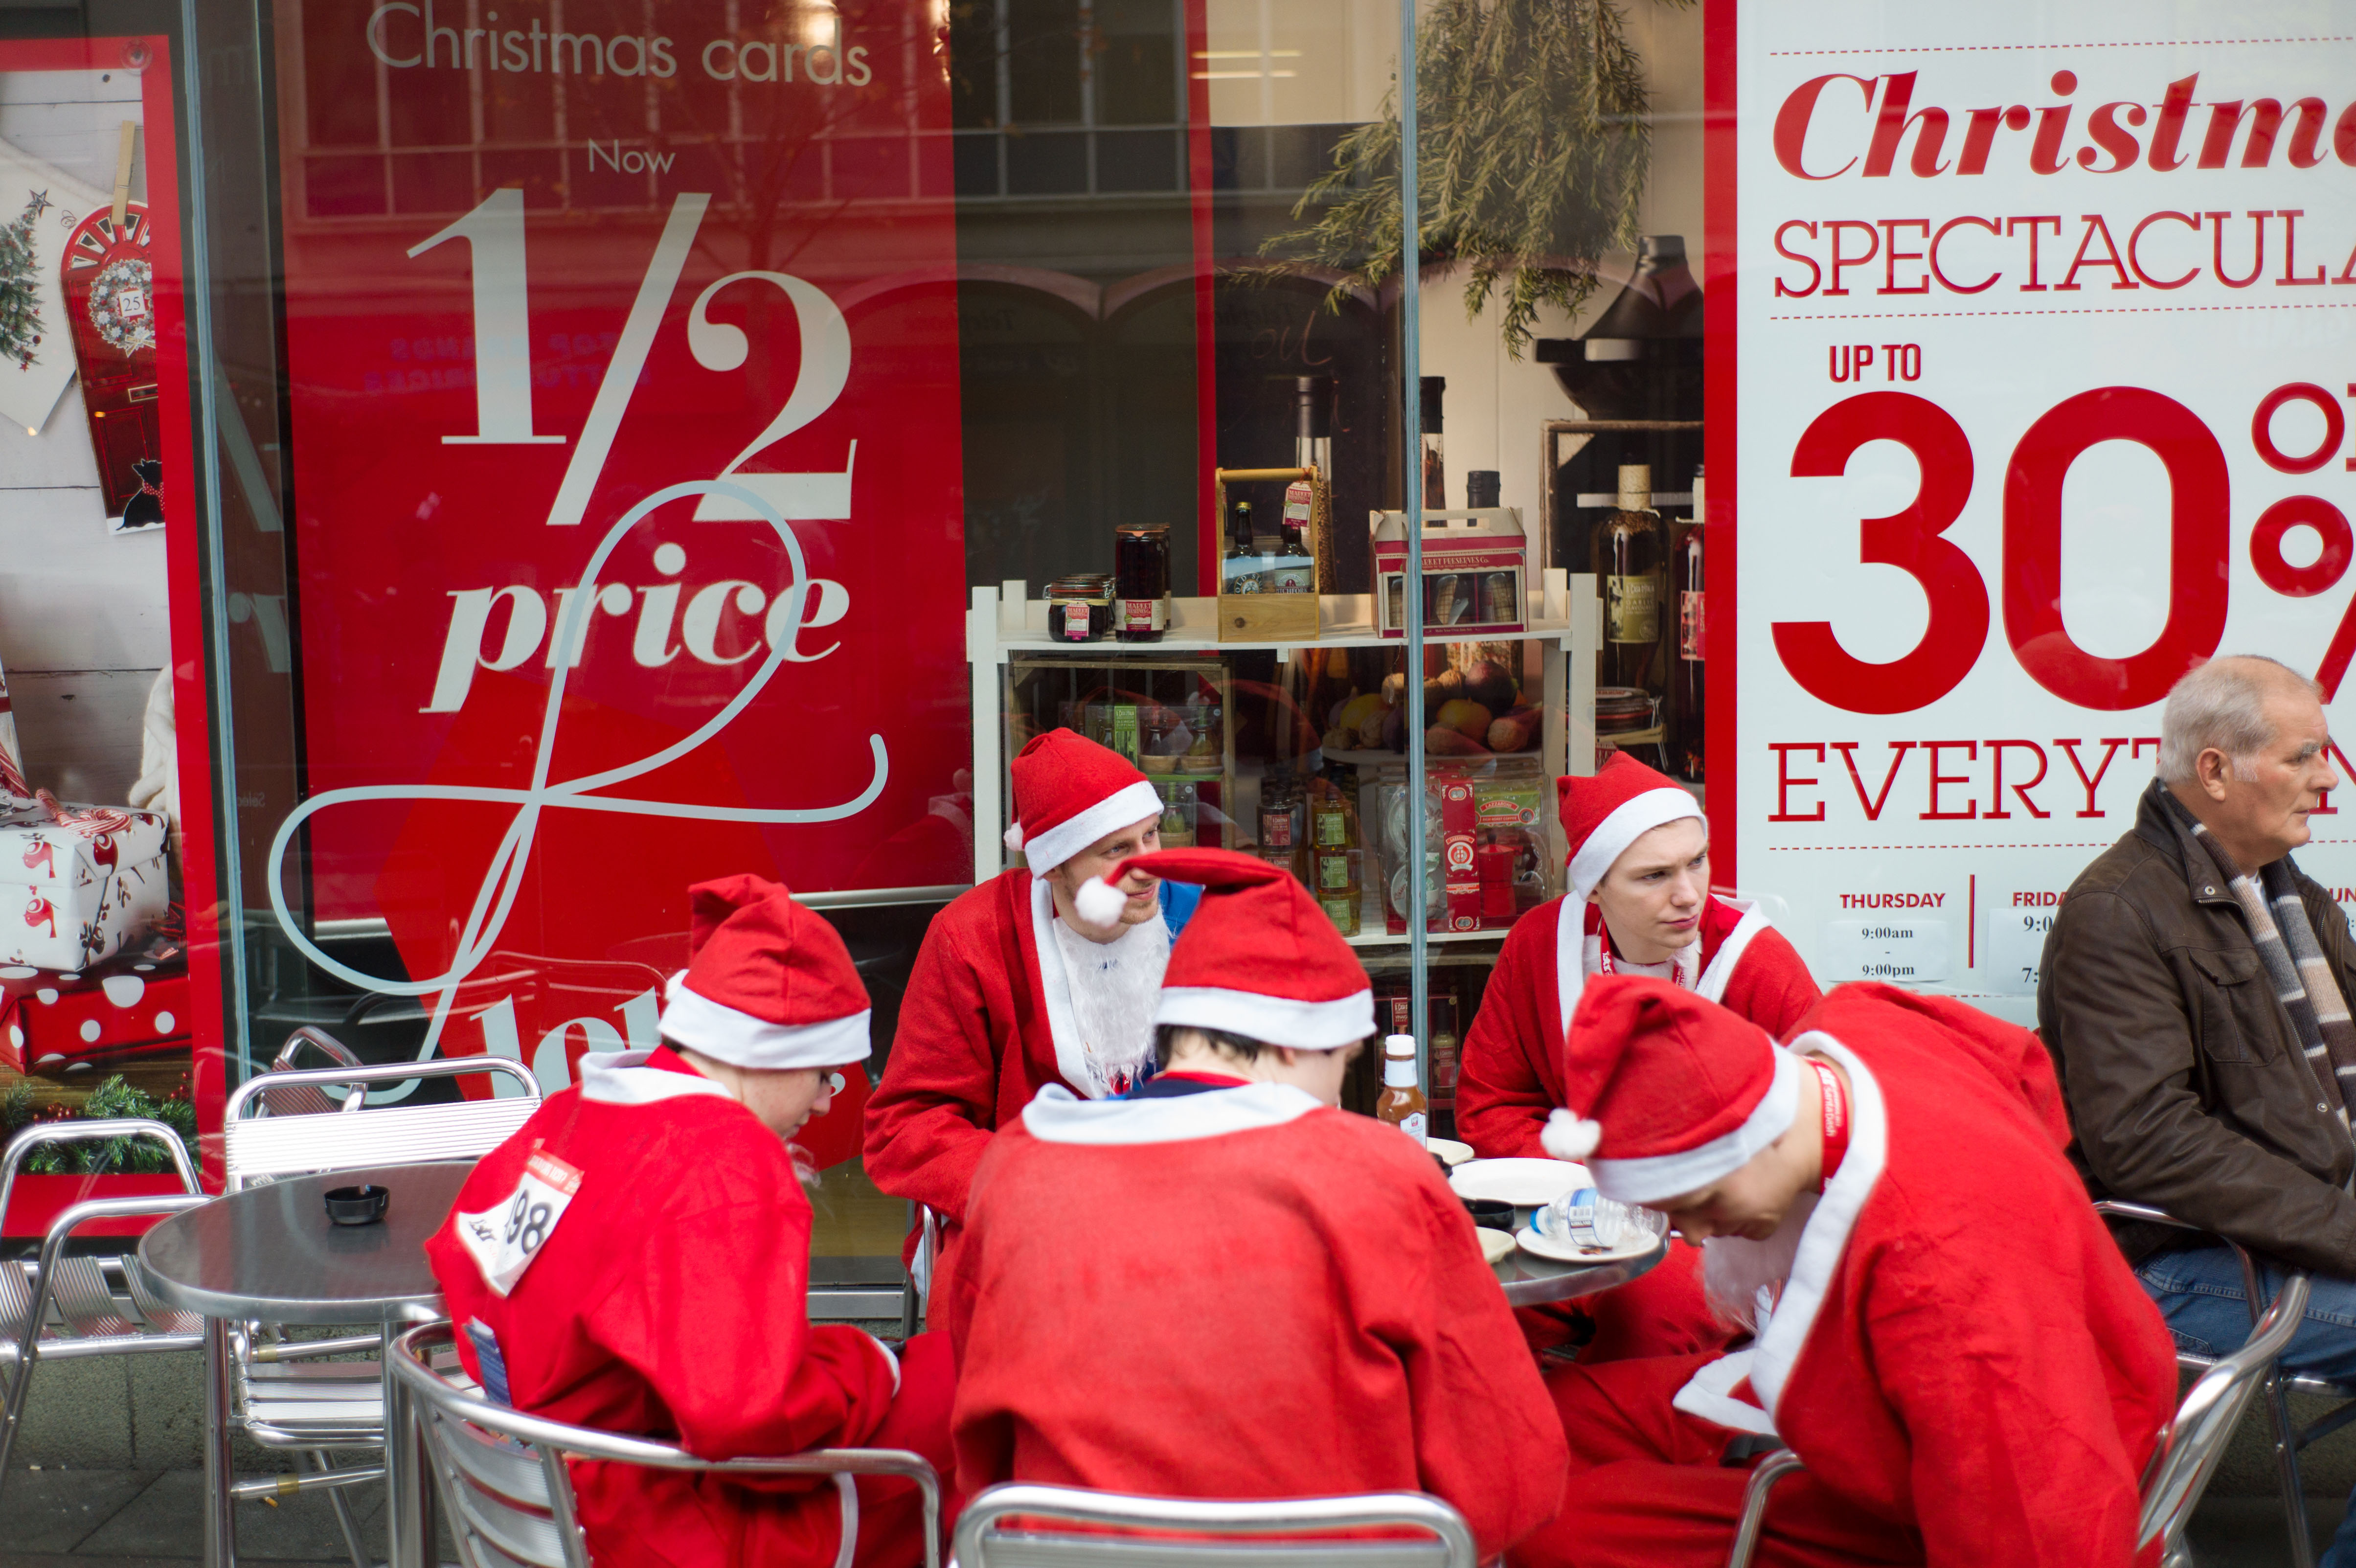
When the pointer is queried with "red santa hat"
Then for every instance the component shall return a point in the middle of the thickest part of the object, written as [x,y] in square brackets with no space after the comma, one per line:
[1258,957]
[1069,792]
[1605,813]
[1672,1092]
[768,984]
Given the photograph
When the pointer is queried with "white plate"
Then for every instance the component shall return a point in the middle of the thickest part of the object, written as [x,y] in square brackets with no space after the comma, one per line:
[1449,1150]
[1494,1244]
[1529,1240]
[1529,1184]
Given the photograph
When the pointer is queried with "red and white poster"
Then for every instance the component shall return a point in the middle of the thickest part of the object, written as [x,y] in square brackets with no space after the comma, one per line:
[2031,369]
[626,508]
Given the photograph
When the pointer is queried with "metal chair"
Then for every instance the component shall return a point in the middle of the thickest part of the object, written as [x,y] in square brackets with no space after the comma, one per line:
[1296,1523]
[2190,1445]
[288,1393]
[2288,1438]
[508,1497]
[308,1099]
[60,1307]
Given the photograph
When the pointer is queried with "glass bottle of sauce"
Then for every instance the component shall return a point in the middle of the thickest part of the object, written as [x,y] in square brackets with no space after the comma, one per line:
[1140,561]
[1631,553]
[1401,1103]
[1333,846]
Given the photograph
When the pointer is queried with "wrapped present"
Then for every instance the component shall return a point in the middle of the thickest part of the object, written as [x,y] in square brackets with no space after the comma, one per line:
[130,1005]
[77,883]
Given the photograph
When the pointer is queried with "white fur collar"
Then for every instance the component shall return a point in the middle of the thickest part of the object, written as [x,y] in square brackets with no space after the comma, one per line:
[622,1078]
[1577,955]
[1056,1115]
[1056,987]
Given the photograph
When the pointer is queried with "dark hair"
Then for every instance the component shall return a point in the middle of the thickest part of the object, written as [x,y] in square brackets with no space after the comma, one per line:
[1165,1041]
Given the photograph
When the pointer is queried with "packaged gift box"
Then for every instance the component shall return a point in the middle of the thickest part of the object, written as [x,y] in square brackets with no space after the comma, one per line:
[76,882]
[130,1005]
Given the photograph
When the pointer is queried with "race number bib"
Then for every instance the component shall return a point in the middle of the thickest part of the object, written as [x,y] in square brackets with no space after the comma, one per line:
[506,1240]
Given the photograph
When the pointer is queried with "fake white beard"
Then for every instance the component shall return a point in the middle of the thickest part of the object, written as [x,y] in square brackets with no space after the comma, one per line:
[1736,1272]
[1115,987]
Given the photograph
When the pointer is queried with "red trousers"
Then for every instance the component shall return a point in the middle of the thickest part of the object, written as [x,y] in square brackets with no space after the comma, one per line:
[1647,1489]
[891,1511]
[1662,1313]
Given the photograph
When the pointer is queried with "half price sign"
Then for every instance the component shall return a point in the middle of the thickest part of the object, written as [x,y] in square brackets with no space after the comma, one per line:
[2041,399]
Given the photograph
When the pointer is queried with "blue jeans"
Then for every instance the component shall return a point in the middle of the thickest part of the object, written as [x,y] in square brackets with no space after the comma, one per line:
[2199,1292]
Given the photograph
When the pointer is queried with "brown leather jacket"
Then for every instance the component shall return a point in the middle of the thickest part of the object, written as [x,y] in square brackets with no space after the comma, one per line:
[2185,1080]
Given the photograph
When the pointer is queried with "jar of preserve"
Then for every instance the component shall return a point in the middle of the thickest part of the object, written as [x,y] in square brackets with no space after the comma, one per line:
[1079,607]
[1140,568]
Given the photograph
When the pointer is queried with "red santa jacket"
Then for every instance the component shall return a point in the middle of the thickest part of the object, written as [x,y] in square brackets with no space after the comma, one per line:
[667,1300]
[978,1037]
[1960,1346]
[1238,1293]
[1510,1075]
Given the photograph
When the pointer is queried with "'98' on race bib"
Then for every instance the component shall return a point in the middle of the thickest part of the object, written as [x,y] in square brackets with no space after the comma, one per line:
[506,1240]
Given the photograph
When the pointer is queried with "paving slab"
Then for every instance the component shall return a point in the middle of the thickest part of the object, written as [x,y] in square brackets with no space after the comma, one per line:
[56,1510]
[167,1518]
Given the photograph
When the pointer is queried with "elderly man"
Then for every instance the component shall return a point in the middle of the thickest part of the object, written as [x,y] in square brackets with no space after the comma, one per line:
[2195,999]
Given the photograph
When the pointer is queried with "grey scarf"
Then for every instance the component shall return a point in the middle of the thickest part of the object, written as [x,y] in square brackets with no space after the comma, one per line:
[2295,960]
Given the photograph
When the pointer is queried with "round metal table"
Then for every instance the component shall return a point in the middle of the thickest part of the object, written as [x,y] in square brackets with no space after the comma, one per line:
[270,1254]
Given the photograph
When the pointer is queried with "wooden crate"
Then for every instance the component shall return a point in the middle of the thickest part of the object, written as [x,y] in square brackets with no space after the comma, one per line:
[1267,617]
[1278,617]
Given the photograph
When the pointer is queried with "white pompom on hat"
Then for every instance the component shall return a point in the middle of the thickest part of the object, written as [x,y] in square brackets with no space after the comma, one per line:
[1672,1092]
[1258,957]
[1605,813]
[1068,793]
[768,985]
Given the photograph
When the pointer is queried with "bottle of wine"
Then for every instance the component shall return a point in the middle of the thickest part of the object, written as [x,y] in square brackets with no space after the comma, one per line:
[1240,572]
[1685,655]
[1630,555]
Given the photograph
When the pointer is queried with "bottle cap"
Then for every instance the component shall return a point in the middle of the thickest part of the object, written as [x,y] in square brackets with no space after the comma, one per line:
[1636,487]
[1400,1046]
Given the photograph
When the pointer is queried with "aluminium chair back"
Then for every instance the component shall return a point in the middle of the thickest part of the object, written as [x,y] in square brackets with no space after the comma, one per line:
[1017,1525]
[2194,1442]
[508,1496]
[309,1099]
[63,1307]
[2190,1445]
[254,1146]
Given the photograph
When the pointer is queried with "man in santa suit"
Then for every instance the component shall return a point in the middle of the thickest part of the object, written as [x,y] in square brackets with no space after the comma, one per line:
[1639,902]
[1224,1287]
[636,1257]
[1013,990]
[1945,1334]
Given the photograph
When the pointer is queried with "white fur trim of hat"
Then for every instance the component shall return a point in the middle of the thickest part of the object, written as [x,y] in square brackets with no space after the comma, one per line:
[1049,847]
[1272,1020]
[1635,817]
[729,1034]
[1660,1177]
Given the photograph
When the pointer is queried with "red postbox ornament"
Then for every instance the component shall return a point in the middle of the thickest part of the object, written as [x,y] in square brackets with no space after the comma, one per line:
[110,306]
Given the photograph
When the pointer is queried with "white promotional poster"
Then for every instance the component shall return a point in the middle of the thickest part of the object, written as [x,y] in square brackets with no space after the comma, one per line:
[2042,397]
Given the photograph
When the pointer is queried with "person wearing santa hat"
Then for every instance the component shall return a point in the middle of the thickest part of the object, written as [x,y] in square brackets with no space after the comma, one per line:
[1288,1298]
[636,1258]
[1014,989]
[1946,1335]
[1639,902]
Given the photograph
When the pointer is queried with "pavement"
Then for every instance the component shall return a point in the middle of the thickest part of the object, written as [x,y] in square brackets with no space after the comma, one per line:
[53,1517]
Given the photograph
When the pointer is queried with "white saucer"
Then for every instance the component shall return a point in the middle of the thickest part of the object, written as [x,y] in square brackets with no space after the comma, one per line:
[1494,1244]
[1527,1183]
[1452,1151]
[1529,1240]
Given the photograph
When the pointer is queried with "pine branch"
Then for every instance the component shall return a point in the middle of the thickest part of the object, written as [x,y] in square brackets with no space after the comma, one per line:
[1533,147]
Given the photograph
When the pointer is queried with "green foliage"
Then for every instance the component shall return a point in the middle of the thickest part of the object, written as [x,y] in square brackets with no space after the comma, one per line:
[1532,151]
[20,287]
[117,1097]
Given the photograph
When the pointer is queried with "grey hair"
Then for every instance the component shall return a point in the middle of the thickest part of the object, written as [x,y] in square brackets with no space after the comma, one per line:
[2222,706]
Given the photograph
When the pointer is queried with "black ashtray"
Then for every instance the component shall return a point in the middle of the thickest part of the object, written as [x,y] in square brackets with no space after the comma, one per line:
[1490,1214]
[357,1205]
